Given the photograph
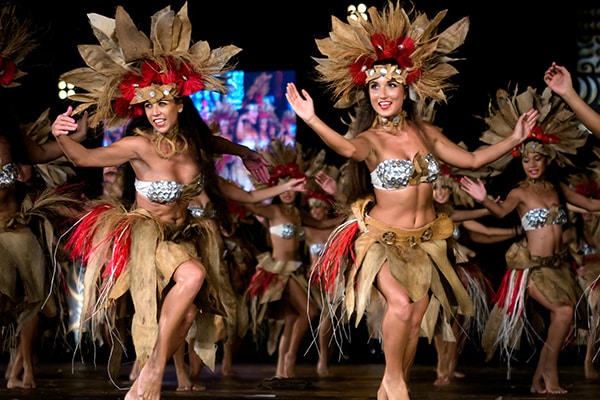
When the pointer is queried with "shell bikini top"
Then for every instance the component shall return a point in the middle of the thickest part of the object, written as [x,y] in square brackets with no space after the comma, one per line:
[316,249]
[285,231]
[8,176]
[166,192]
[396,174]
[540,217]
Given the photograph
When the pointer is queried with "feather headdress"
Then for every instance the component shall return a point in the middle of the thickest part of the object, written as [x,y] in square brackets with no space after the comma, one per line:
[452,181]
[412,51]
[588,184]
[289,161]
[16,41]
[54,173]
[557,126]
[128,68]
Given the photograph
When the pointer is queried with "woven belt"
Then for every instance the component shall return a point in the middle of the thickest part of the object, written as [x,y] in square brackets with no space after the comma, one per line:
[439,229]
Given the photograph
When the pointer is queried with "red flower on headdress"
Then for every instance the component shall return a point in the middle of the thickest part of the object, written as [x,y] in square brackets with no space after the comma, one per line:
[413,76]
[358,68]
[124,109]
[127,87]
[188,80]
[398,49]
[539,134]
[319,195]
[590,190]
[236,209]
[444,170]
[8,70]
[289,170]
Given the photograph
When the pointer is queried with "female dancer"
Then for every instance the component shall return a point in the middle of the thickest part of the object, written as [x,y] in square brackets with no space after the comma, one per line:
[166,261]
[538,265]
[399,241]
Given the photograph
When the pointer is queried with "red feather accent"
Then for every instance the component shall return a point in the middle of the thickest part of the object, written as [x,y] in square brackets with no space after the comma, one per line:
[474,269]
[189,81]
[502,295]
[338,249]
[79,242]
[81,245]
[121,240]
[260,282]
[515,292]
[358,68]
[8,71]
[538,133]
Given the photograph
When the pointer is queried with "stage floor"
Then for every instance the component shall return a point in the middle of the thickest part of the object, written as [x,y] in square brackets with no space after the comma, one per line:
[349,381]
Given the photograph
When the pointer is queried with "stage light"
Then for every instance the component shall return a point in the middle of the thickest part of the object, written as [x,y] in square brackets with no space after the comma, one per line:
[355,12]
[65,90]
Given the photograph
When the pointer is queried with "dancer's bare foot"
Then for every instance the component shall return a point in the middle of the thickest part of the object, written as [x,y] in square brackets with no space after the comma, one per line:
[389,390]
[228,372]
[20,383]
[191,388]
[551,383]
[556,390]
[442,381]
[458,375]
[184,383]
[323,369]
[148,384]
[537,386]
[20,376]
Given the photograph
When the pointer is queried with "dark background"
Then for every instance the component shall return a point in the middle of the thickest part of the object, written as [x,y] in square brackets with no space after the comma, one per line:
[510,42]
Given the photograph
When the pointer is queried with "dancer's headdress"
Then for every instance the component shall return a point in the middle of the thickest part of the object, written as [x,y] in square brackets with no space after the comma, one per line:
[128,68]
[557,132]
[16,41]
[54,173]
[412,52]
[450,180]
[588,184]
[289,161]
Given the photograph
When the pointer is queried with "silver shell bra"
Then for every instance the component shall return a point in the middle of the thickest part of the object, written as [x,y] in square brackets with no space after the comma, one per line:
[285,231]
[166,192]
[396,174]
[540,217]
[8,176]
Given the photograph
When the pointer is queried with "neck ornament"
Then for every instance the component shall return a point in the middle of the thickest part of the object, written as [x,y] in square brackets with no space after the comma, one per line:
[389,122]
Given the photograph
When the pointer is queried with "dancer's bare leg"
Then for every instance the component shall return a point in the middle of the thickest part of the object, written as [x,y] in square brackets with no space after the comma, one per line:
[11,363]
[230,347]
[184,380]
[196,362]
[21,375]
[400,329]
[135,371]
[590,370]
[284,341]
[176,317]
[545,379]
[441,348]
[455,348]
[325,347]
[298,299]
